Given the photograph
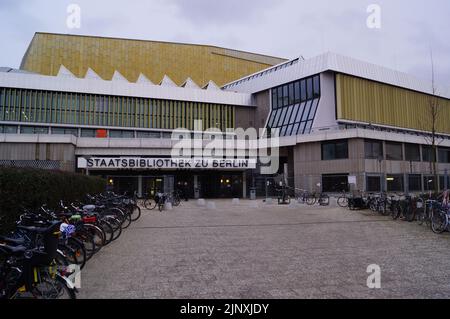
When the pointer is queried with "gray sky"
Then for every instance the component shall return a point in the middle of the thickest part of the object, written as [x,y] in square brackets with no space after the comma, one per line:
[285,28]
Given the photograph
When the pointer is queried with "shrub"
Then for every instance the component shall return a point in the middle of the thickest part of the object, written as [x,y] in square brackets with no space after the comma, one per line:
[30,188]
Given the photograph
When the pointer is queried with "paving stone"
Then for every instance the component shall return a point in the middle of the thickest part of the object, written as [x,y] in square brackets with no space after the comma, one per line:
[269,252]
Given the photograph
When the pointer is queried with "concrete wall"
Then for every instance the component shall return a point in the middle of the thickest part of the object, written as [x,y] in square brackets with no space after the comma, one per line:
[40,152]
[309,167]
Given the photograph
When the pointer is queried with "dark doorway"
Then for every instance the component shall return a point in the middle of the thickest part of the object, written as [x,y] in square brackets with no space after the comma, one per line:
[221,185]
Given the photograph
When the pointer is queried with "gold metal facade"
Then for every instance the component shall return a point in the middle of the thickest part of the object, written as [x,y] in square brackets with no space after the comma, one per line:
[36,106]
[376,103]
[47,52]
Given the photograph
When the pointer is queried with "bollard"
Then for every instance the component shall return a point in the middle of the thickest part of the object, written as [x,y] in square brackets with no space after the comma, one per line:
[254,204]
[293,204]
[211,205]
[235,201]
[168,206]
[201,202]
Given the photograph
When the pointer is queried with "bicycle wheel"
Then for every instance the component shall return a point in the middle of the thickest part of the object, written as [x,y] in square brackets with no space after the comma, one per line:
[97,234]
[116,226]
[176,201]
[342,201]
[324,200]
[53,287]
[311,200]
[108,229]
[135,213]
[439,222]
[80,251]
[150,203]
[395,211]
[88,242]
[127,220]
[410,213]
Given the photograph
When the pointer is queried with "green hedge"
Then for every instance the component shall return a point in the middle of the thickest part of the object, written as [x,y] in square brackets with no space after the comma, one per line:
[31,188]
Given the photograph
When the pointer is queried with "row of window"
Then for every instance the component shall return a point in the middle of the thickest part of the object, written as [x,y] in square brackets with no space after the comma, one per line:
[374,149]
[396,183]
[295,119]
[21,105]
[100,133]
[296,92]
[257,75]
[404,152]
[393,183]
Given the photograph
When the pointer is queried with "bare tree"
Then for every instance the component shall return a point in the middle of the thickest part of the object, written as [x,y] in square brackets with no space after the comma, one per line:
[431,127]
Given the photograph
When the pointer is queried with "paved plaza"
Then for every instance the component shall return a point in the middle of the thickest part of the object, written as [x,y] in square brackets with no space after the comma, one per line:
[269,251]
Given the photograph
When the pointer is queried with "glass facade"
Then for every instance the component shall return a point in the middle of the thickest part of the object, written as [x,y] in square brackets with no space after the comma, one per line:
[294,106]
[35,106]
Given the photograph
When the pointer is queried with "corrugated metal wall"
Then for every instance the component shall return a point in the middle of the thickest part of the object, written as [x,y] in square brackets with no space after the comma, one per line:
[131,57]
[376,103]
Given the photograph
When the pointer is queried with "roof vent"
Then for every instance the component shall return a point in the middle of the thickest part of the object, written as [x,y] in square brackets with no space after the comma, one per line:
[190,84]
[143,79]
[63,71]
[90,74]
[166,81]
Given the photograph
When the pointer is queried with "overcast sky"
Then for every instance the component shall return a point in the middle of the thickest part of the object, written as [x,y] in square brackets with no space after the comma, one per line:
[284,28]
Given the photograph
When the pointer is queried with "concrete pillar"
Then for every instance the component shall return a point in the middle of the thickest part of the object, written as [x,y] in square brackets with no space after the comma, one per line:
[195,181]
[140,185]
[244,184]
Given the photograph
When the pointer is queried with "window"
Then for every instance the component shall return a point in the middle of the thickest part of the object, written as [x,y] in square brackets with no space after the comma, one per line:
[8,129]
[427,154]
[166,135]
[303,90]
[373,183]
[412,152]
[274,99]
[309,88]
[285,95]
[312,112]
[394,183]
[300,112]
[428,183]
[271,118]
[373,149]
[121,134]
[291,94]
[308,127]
[442,184]
[394,151]
[333,183]
[444,155]
[414,183]
[33,130]
[280,96]
[335,150]
[316,84]
[149,134]
[66,131]
[87,132]
[297,91]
